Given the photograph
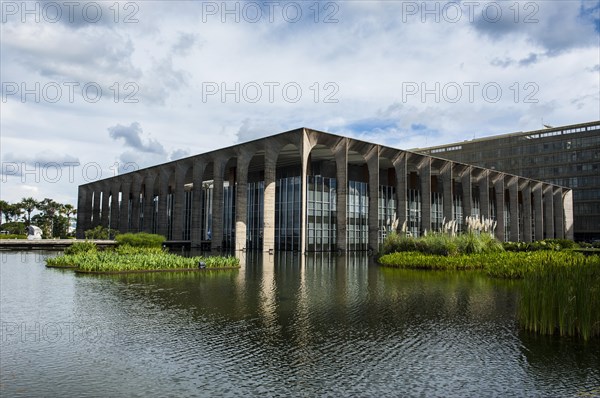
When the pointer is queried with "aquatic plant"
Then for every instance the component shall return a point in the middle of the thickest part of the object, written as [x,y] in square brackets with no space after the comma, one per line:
[140,239]
[443,243]
[128,258]
[81,247]
[561,295]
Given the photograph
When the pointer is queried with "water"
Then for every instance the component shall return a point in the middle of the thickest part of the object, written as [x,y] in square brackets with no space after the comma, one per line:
[323,326]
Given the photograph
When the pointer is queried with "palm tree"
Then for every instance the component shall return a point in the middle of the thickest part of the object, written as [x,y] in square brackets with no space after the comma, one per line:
[29,205]
[50,208]
[12,212]
[68,210]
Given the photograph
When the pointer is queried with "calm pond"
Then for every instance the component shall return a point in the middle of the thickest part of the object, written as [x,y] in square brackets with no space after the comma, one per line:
[317,326]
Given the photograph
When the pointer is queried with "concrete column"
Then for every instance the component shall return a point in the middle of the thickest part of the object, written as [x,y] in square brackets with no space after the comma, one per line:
[178,202]
[114,205]
[136,186]
[372,159]
[149,202]
[305,150]
[568,213]
[84,206]
[448,193]
[548,212]
[340,153]
[269,200]
[527,213]
[104,219]
[124,211]
[197,203]
[499,188]
[241,201]
[425,179]
[559,229]
[96,192]
[217,209]
[467,193]
[484,194]
[513,189]
[163,191]
[401,189]
[537,206]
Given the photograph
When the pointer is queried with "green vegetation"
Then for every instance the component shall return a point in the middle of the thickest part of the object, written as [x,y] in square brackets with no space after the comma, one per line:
[140,240]
[546,244]
[52,217]
[443,244]
[98,233]
[561,295]
[560,287]
[13,236]
[81,247]
[145,256]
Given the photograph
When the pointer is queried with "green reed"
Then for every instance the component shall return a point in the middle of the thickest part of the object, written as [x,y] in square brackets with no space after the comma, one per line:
[560,291]
[562,296]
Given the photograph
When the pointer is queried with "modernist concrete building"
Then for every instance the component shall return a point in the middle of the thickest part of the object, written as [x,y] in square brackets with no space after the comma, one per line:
[306,190]
[567,156]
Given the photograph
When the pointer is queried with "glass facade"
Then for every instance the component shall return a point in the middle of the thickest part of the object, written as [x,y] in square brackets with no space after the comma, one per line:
[492,202]
[155,214]
[476,203]
[228,215]
[321,213]
[254,215]
[437,211]
[413,210]
[170,215]
[187,215]
[568,156]
[507,216]
[457,212]
[288,199]
[386,211]
[207,197]
[357,222]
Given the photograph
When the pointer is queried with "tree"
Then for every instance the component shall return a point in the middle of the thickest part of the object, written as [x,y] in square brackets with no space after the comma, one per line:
[50,209]
[12,212]
[3,206]
[29,205]
[68,210]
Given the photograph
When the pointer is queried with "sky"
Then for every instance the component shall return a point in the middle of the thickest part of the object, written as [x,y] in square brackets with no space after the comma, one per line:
[94,89]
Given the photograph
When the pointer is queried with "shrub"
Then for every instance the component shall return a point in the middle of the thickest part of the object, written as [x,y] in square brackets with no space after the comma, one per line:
[126,249]
[99,232]
[81,247]
[443,244]
[14,228]
[13,236]
[140,239]
[563,243]
[398,243]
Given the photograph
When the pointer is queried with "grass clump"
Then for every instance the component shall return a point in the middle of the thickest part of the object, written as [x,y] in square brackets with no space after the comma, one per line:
[560,291]
[13,236]
[140,239]
[126,258]
[134,252]
[81,247]
[148,261]
[561,295]
[443,244]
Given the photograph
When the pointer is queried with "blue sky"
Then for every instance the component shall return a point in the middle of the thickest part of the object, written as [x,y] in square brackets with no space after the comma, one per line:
[90,89]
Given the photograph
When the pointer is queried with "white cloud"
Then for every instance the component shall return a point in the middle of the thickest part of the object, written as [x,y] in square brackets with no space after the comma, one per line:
[353,74]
